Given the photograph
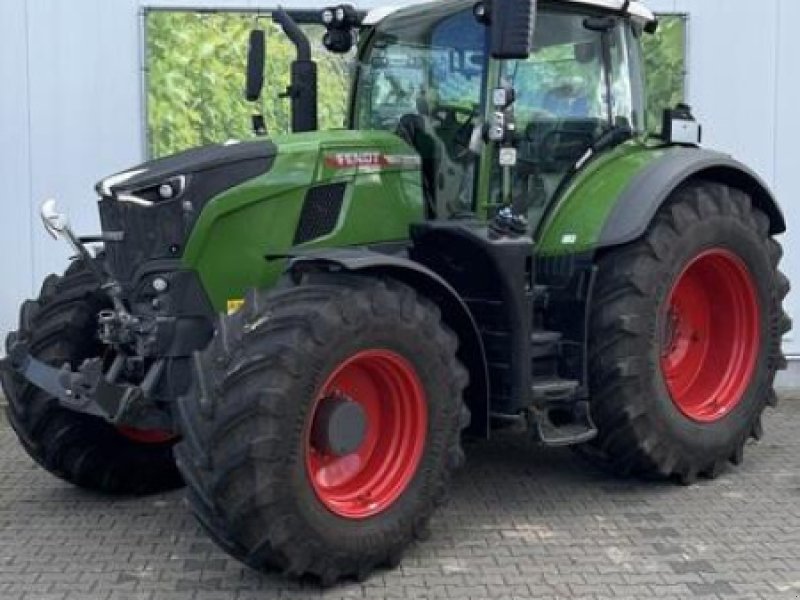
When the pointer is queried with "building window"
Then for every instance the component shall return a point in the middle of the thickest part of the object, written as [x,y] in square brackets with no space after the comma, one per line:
[194,78]
[665,66]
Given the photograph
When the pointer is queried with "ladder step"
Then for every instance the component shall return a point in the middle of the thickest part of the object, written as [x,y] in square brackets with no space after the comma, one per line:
[553,390]
[566,435]
[565,427]
[545,343]
[546,337]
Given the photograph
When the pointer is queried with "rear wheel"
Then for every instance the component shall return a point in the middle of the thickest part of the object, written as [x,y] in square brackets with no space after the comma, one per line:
[324,426]
[686,337]
[60,327]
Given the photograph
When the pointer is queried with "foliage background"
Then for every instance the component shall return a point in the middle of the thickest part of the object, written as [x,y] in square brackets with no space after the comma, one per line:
[665,65]
[195,77]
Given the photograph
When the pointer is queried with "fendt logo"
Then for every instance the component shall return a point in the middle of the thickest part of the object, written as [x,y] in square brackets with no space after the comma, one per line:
[370,159]
[344,160]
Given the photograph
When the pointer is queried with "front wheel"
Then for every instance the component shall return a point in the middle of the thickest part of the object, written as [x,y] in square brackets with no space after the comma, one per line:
[324,426]
[686,337]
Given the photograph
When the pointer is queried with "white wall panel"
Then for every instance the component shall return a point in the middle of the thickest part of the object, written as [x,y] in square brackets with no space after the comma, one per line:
[787,154]
[15,219]
[84,108]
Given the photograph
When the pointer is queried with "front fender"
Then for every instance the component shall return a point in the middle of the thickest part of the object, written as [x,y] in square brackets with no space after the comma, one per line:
[455,313]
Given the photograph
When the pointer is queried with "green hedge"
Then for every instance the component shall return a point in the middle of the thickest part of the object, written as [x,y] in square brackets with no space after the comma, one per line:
[665,64]
[195,77]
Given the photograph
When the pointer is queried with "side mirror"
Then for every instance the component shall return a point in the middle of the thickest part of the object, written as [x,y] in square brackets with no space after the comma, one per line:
[512,25]
[256,54]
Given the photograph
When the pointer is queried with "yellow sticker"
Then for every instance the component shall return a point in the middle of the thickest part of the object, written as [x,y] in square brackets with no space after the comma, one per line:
[234,305]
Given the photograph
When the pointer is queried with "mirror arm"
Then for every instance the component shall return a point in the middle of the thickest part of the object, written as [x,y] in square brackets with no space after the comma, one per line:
[302,88]
[294,33]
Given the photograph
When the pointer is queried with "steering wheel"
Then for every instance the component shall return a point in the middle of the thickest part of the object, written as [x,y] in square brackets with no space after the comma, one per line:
[554,141]
[563,145]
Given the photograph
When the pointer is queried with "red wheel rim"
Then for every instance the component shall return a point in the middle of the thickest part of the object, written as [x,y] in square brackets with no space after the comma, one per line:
[711,336]
[368,481]
[146,436]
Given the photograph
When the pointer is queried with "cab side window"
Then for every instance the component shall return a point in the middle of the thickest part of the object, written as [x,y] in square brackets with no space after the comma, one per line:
[561,106]
[579,83]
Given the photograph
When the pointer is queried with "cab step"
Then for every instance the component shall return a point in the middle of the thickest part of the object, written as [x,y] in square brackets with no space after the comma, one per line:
[567,425]
[547,390]
[545,344]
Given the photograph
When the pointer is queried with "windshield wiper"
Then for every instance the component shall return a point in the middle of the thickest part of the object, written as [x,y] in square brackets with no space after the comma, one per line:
[610,138]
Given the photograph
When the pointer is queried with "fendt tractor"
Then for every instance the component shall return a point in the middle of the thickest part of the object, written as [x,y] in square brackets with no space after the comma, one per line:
[302,328]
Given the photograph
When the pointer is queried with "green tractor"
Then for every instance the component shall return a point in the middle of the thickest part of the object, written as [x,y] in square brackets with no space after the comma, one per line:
[302,328]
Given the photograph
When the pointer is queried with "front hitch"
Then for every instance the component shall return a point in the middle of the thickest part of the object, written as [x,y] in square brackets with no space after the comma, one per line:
[91,391]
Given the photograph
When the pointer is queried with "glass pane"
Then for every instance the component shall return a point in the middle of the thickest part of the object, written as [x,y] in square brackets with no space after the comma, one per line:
[622,105]
[562,107]
[564,77]
[422,79]
[665,67]
[195,79]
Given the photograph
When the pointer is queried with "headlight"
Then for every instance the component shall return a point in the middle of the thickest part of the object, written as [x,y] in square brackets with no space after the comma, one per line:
[170,189]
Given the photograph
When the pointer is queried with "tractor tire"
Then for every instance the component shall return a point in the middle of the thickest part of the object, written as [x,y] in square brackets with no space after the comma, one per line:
[61,327]
[259,448]
[685,337]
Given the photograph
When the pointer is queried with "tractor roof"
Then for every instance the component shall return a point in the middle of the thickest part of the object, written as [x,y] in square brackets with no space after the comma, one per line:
[636,9]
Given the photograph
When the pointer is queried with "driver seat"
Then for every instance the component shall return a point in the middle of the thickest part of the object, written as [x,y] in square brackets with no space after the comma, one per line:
[413,131]
[442,178]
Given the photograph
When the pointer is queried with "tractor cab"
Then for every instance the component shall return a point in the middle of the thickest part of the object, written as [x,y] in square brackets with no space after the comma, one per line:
[431,78]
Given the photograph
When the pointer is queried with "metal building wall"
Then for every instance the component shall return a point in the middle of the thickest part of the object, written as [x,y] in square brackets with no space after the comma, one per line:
[70,110]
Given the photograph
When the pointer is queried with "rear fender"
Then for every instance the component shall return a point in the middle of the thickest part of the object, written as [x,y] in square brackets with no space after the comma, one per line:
[652,187]
[613,200]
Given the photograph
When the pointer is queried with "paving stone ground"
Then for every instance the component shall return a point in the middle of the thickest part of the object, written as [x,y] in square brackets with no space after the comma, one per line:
[523,522]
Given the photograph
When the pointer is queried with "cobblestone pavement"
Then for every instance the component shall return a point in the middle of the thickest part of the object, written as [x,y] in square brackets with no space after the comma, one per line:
[523,522]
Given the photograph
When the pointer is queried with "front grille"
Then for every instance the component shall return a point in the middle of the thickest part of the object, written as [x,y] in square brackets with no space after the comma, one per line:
[150,232]
[320,213]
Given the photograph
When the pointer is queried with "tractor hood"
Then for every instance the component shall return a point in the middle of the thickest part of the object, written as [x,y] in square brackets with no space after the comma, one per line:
[333,188]
[153,207]
[211,169]
[242,200]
